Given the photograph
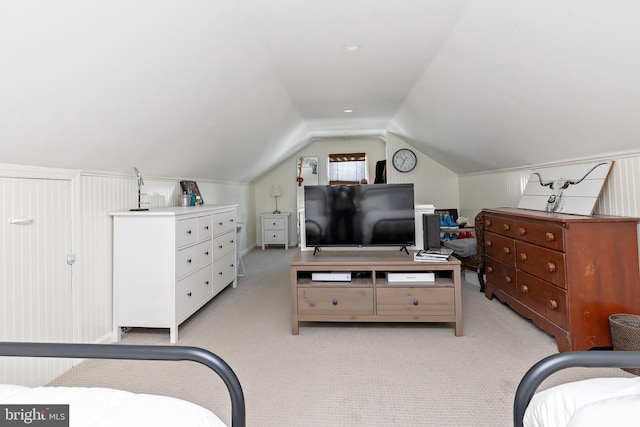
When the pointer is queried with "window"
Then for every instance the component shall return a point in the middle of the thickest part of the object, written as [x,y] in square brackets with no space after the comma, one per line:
[347,168]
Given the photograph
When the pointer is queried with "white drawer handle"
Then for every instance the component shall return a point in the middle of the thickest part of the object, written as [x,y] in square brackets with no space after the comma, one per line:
[20,220]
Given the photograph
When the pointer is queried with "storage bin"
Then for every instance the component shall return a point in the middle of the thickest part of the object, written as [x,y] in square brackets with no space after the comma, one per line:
[625,335]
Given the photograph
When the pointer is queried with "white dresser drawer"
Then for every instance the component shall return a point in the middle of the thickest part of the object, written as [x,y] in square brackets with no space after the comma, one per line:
[186,232]
[224,221]
[274,236]
[224,244]
[205,228]
[224,270]
[274,223]
[192,258]
[192,291]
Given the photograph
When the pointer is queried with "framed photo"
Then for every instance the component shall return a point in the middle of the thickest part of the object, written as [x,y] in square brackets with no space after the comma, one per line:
[192,187]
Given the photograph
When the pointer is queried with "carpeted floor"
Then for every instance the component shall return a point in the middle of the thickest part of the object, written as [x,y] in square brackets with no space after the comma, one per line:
[340,374]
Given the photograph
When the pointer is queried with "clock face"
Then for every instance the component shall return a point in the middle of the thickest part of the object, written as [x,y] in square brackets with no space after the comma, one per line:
[404,160]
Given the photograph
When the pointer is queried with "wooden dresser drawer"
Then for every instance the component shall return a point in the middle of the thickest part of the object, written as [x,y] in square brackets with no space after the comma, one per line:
[549,235]
[338,301]
[415,301]
[541,262]
[502,275]
[500,247]
[546,299]
[500,225]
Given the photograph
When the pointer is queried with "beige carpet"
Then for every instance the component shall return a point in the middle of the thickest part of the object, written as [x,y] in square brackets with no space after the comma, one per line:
[340,374]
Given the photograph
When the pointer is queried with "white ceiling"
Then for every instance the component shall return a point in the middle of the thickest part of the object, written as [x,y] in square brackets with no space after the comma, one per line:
[226,89]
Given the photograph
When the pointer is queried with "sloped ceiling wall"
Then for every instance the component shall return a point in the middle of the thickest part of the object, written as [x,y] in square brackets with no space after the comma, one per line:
[224,90]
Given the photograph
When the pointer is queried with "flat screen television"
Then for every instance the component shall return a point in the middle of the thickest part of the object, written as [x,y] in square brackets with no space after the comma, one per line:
[359,215]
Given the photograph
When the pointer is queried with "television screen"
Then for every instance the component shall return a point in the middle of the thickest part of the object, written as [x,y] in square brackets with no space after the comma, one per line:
[359,215]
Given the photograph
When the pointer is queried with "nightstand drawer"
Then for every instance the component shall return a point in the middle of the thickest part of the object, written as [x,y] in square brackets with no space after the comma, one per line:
[415,301]
[274,223]
[335,301]
[274,236]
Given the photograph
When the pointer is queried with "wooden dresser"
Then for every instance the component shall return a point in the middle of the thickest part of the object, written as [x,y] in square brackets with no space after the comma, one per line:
[566,273]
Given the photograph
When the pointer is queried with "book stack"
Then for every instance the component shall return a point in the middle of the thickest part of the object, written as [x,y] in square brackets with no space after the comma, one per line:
[433,255]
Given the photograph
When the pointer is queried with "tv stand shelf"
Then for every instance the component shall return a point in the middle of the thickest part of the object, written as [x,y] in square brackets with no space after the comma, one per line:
[369,296]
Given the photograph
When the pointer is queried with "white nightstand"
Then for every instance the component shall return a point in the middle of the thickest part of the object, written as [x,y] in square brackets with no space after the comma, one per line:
[275,229]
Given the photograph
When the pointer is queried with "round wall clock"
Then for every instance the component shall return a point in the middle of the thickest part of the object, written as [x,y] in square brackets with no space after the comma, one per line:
[404,160]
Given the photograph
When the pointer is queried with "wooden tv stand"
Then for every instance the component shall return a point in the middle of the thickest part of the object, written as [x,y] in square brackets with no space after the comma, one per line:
[369,297]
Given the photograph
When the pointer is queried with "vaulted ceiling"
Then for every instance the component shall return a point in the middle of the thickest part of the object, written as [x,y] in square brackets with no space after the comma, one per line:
[226,89]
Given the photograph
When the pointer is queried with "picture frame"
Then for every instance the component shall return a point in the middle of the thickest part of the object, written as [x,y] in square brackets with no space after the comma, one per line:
[192,187]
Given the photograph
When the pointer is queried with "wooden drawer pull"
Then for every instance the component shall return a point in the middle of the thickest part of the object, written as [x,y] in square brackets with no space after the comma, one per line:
[508,279]
[523,256]
[487,222]
[524,289]
[551,266]
[506,227]
[489,243]
[550,237]
[553,305]
[489,269]
[522,231]
[506,250]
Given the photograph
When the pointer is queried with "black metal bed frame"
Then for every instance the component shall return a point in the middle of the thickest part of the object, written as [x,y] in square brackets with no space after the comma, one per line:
[139,352]
[570,359]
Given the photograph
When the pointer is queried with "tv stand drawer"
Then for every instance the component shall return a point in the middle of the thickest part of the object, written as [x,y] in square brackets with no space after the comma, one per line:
[335,301]
[415,301]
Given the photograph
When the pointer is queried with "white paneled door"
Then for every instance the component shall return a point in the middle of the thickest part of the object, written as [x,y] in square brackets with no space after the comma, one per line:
[35,278]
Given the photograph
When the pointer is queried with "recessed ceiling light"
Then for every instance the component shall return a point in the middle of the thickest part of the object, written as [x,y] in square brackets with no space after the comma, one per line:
[350,47]
[348,110]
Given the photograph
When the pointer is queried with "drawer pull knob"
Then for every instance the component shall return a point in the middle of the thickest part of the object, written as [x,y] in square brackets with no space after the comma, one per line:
[506,227]
[487,222]
[206,227]
[506,250]
[489,269]
[523,256]
[206,283]
[524,289]
[489,243]
[230,265]
[189,260]
[552,267]
[206,253]
[522,231]
[553,305]
[231,241]
[219,223]
[220,273]
[550,237]
[188,231]
[220,246]
[334,302]
[508,279]
[189,294]
[415,302]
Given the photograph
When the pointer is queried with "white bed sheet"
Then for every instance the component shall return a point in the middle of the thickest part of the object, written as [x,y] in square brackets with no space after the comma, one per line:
[101,407]
[588,403]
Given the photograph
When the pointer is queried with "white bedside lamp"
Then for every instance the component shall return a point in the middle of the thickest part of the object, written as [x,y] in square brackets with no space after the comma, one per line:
[276,191]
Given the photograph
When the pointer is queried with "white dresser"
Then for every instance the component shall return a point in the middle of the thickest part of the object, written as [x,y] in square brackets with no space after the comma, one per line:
[275,229]
[169,262]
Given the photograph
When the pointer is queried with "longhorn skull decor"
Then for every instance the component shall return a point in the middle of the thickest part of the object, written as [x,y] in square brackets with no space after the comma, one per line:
[573,189]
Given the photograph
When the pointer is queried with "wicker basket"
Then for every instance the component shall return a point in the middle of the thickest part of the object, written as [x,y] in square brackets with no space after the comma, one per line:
[625,335]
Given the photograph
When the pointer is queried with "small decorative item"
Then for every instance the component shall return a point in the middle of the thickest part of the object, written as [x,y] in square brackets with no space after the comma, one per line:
[299,178]
[192,187]
[404,160]
[140,184]
[276,191]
